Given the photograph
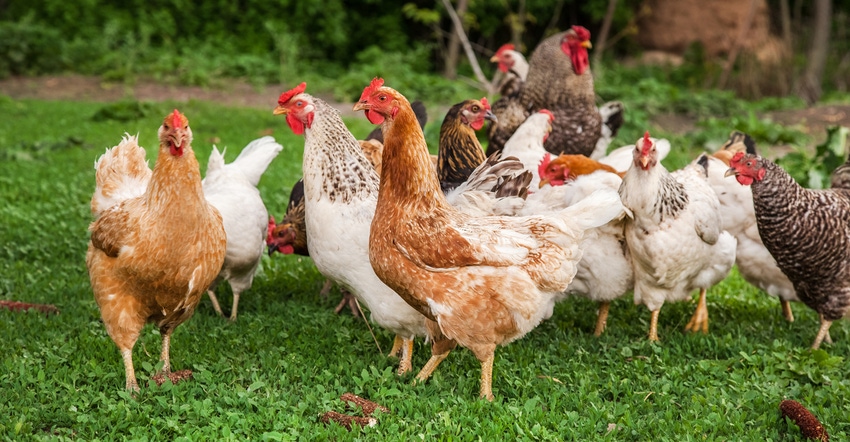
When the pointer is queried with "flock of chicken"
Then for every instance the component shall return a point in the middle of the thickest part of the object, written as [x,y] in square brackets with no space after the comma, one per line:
[464,248]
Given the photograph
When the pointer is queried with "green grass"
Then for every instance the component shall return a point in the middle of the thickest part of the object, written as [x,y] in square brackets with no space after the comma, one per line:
[289,358]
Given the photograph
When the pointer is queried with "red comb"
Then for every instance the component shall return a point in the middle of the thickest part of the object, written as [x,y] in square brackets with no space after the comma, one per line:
[549,113]
[544,163]
[736,158]
[376,83]
[286,96]
[505,47]
[485,104]
[647,143]
[581,32]
[175,118]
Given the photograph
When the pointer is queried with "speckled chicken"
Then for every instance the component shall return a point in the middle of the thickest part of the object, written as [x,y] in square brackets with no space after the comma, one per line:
[808,233]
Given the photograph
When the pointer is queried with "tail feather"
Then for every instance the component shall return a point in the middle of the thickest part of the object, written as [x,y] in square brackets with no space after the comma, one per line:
[122,173]
[216,161]
[256,157]
[599,208]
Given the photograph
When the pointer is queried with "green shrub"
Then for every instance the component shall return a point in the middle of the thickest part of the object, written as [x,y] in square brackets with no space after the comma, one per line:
[29,49]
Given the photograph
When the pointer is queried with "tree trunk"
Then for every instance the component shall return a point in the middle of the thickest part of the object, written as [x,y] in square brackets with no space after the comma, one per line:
[785,12]
[603,33]
[518,26]
[453,50]
[467,47]
[809,87]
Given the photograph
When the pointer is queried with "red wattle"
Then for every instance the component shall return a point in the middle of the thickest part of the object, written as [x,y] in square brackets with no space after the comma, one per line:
[287,249]
[745,180]
[477,124]
[295,124]
[177,151]
[374,117]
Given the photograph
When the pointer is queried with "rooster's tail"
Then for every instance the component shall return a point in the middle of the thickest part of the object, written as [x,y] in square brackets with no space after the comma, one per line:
[122,173]
[597,209]
[256,157]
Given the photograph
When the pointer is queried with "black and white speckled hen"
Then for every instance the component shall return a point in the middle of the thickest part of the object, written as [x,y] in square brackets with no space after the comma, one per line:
[808,233]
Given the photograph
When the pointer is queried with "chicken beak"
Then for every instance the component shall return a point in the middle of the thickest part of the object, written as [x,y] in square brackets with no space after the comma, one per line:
[494,59]
[280,110]
[729,172]
[361,105]
[586,44]
[644,160]
[491,116]
[272,249]
[543,182]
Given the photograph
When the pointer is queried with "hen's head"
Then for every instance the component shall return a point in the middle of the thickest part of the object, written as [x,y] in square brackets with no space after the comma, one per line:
[553,172]
[474,112]
[575,44]
[175,133]
[505,56]
[298,108]
[747,168]
[380,102]
[645,153]
[280,238]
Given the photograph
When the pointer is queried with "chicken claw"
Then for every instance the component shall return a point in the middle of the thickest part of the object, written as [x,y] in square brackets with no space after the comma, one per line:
[602,318]
[699,321]
[786,310]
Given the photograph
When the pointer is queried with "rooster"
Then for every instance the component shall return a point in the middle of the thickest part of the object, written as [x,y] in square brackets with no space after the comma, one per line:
[559,79]
[755,263]
[674,234]
[156,244]
[808,233]
[480,281]
[232,189]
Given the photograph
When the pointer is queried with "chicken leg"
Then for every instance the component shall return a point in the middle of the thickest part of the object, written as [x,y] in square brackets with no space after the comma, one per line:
[430,366]
[823,333]
[786,310]
[215,304]
[236,294]
[487,377]
[653,325]
[699,321]
[129,372]
[602,318]
[406,363]
[441,346]
[165,356]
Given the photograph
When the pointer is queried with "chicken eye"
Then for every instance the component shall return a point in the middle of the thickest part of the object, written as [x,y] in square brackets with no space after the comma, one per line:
[299,103]
[475,108]
[382,98]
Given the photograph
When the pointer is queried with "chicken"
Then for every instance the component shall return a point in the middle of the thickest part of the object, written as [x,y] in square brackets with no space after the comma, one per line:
[613,118]
[514,68]
[340,194]
[156,243]
[808,233]
[622,158]
[755,263]
[605,270]
[674,234]
[559,79]
[480,281]
[421,116]
[460,152]
[563,168]
[232,189]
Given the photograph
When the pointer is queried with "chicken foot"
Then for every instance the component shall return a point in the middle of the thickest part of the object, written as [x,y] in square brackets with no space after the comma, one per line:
[699,321]
[786,310]
[430,366]
[823,333]
[441,346]
[653,325]
[602,318]
[165,356]
[351,302]
[406,363]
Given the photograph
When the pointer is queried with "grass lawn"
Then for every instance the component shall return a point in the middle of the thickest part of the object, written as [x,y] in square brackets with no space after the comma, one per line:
[288,359]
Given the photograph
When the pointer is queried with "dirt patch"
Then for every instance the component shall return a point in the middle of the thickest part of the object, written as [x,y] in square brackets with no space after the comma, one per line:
[86,88]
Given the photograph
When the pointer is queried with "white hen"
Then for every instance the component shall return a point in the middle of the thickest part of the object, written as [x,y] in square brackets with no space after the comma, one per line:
[674,235]
[232,189]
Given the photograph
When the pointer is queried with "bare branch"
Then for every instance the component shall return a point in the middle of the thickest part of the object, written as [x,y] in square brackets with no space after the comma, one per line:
[476,68]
